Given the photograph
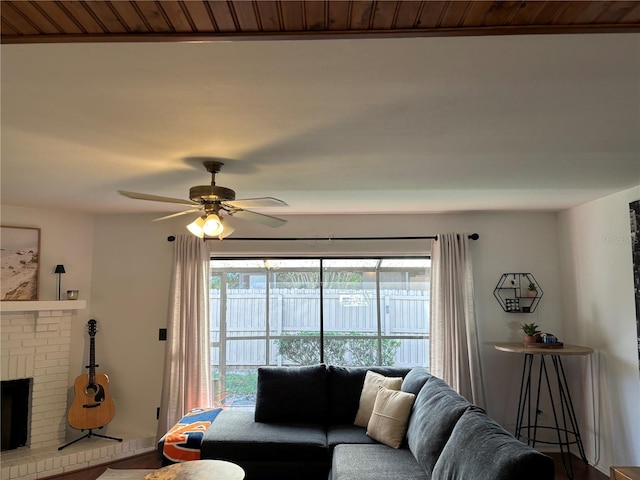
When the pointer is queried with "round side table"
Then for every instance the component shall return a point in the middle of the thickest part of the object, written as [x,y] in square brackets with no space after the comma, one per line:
[564,416]
[198,470]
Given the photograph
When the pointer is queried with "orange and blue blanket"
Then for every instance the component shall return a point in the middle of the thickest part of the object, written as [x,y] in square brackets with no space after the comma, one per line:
[182,443]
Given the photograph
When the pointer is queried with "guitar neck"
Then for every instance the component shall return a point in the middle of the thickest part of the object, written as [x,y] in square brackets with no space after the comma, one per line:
[92,361]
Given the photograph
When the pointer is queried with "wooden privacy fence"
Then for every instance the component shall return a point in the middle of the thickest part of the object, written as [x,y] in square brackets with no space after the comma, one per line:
[255,322]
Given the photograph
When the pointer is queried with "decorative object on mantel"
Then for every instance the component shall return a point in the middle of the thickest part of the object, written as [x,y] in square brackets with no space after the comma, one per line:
[518,292]
[20,263]
[59,271]
[72,294]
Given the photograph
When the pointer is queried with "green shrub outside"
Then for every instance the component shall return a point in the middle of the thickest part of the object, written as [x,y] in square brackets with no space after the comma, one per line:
[363,351]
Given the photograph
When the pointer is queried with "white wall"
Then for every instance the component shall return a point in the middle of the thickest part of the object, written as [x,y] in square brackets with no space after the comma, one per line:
[597,279]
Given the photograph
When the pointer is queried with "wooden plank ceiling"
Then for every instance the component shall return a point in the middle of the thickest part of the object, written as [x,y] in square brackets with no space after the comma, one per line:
[41,21]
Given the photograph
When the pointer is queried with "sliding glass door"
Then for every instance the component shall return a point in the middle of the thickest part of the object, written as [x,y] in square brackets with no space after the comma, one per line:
[340,311]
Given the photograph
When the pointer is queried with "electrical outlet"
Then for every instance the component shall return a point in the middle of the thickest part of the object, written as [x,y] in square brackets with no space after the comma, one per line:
[162,334]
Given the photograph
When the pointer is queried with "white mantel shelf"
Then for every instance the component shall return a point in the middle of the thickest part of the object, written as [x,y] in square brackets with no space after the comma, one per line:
[35,306]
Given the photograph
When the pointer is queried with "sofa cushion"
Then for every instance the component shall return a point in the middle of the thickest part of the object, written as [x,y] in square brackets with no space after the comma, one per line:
[338,434]
[436,410]
[292,395]
[345,387]
[372,381]
[235,436]
[374,462]
[415,380]
[481,449]
[388,422]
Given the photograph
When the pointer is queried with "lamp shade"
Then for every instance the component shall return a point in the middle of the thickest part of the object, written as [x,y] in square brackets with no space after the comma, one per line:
[59,269]
[228,229]
[195,227]
[212,225]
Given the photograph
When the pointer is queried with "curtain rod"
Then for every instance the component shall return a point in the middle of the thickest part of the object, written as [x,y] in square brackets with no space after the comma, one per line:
[473,236]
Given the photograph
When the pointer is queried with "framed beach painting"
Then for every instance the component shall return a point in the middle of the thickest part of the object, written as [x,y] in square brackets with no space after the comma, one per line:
[20,263]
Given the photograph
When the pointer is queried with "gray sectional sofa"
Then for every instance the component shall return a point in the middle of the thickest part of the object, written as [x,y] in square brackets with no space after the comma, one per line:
[302,428]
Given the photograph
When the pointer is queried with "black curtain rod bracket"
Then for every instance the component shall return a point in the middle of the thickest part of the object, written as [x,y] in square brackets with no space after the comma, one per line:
[473,236]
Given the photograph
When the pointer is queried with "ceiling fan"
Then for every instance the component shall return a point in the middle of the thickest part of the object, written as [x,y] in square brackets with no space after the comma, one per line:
[216,203]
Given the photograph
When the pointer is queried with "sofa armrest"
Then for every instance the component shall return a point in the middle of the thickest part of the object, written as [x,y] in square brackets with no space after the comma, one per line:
[481,449]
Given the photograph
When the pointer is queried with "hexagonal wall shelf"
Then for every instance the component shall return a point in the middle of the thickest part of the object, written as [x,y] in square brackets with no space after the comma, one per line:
[518,292]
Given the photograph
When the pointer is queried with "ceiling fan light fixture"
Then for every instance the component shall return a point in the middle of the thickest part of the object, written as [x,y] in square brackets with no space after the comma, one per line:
[228,229]
[196,227]
[211,200]
[212,225]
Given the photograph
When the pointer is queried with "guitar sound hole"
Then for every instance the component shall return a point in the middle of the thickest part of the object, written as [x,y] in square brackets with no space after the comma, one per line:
[91,390]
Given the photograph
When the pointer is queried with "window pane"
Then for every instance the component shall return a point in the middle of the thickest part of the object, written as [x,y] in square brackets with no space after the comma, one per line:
[295,312]
[235,387]
[350,263]
[375,311]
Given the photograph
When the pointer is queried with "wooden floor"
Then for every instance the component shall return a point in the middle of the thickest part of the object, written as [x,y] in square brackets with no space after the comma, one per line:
[150,460]
[580,470]
[146,460]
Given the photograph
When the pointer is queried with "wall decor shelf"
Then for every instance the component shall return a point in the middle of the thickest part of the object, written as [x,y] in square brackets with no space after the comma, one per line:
[518,292]
[35,306]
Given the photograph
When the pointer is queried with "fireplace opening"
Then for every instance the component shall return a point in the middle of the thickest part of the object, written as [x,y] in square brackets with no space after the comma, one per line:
[15,413]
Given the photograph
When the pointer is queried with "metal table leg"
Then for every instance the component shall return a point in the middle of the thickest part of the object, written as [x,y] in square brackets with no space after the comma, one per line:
[564,416]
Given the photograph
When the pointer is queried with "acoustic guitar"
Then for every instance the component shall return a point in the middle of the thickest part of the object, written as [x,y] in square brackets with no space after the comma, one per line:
[92,406]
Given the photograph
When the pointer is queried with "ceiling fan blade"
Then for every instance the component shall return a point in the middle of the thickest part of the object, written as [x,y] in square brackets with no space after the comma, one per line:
[257,202]
[267,220]
[155,198]
[194,210]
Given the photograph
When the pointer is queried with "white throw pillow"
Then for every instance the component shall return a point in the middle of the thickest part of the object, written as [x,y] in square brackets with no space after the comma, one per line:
[391,410]
[373,381]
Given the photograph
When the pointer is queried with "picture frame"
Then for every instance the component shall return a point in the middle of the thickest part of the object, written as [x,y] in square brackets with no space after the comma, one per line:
[19,263]
[634,220]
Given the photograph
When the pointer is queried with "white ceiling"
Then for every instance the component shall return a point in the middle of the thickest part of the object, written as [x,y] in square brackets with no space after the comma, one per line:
[340,126]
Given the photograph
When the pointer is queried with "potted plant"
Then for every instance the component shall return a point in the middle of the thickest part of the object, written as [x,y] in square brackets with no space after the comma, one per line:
[531,332]
[532,290]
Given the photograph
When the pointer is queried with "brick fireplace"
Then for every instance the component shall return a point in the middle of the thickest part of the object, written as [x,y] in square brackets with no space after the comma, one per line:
[35,345]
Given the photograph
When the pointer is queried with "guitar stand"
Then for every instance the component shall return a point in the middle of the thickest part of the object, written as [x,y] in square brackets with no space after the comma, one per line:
[89,435]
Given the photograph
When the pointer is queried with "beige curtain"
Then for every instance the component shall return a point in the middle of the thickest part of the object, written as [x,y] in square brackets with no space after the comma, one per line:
[455,356]
[187,369]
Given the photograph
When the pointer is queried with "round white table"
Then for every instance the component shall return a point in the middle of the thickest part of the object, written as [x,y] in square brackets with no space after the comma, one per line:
[198,470]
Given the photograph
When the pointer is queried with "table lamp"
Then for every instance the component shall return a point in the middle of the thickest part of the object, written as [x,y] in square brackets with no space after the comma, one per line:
[59,271]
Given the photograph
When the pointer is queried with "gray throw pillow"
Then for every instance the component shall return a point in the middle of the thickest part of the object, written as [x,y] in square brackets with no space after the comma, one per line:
[415,380]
